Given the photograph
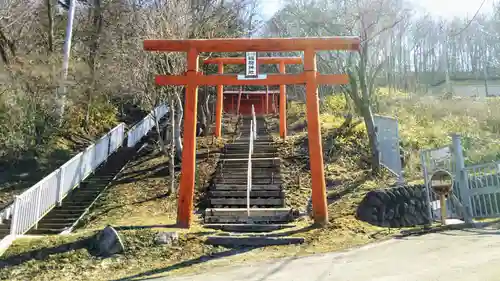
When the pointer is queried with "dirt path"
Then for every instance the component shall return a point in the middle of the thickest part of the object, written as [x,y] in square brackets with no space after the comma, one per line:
[465,255]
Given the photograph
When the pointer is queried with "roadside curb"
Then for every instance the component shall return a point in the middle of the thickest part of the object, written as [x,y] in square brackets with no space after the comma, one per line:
[442,228]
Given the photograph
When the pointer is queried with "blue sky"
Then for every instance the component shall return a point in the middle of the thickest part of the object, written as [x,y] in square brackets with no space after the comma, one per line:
[438,8]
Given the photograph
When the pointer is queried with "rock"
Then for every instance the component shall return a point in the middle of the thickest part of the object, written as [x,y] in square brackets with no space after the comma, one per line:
[107,242]
[167,238]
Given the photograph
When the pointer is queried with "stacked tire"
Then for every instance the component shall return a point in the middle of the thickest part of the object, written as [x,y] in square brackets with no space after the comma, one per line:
[395,207]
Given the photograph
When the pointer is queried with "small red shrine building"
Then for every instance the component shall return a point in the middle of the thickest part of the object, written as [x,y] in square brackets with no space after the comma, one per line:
[249,98]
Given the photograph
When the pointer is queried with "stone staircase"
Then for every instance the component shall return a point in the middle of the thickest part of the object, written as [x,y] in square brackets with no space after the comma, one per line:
[227,196]
[74,207]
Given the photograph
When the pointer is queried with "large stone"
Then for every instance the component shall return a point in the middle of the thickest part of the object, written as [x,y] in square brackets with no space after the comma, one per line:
[166,238]
[107,243]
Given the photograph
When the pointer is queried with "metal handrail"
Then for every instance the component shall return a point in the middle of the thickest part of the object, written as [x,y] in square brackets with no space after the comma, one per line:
[253,135]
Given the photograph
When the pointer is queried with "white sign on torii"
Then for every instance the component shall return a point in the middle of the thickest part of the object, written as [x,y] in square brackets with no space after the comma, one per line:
[251,64]
[251,68]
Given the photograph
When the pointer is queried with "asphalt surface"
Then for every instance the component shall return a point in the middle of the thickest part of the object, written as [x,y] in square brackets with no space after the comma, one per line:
[459,255]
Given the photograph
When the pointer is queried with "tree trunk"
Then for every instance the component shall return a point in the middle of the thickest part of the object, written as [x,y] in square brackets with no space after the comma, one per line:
[171,163]
[372,137]
[94,47]
[50,17]
[177,129]
[161,142]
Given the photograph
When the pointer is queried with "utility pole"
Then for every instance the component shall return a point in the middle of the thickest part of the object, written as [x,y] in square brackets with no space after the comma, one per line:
[62,92]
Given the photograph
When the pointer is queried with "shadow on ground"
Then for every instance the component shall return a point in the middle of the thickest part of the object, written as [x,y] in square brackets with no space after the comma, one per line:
[205,258]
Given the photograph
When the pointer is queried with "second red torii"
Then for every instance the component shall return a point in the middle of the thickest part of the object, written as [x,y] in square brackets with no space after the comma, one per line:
[282,61]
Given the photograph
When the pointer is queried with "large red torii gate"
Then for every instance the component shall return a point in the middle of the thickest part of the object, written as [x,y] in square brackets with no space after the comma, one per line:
[281,61]
[310,77]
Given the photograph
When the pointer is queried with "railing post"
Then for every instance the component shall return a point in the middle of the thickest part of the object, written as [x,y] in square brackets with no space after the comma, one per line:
[108,135]
[60,184]
[15,216]
[461,175]
[38,199]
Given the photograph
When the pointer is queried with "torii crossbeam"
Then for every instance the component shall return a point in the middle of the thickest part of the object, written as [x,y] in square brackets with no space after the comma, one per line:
[310,77]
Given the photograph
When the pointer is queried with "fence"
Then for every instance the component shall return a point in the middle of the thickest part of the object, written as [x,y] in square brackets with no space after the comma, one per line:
[476,188]
[388,145]
[29,207]
[253,135]
[138,131]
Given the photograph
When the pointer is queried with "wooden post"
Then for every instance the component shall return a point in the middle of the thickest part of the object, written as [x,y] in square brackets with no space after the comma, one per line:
[239,102]
[267,99]
[282,106]
[188,167]
[219,104]
[320,207]
[442,203]
[262,104]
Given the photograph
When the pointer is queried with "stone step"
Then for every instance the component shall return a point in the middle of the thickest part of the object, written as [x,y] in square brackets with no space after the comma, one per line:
[253,241]
[250,227]
[233,202]
[255,187]
[243,193]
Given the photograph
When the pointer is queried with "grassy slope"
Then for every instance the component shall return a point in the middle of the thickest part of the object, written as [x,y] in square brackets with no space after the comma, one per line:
[427,122]
[19,174]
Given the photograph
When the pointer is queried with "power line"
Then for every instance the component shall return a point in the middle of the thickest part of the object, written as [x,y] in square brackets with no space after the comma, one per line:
[468,24]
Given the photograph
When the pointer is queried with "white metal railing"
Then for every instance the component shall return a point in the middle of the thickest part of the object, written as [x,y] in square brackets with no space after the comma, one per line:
[253,135]
[138,131]
[31,205]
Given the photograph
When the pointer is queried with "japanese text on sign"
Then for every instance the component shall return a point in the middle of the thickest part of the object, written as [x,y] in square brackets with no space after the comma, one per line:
[251,64]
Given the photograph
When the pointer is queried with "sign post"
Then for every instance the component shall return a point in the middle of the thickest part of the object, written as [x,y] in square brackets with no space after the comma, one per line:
[442,184]
[251,67]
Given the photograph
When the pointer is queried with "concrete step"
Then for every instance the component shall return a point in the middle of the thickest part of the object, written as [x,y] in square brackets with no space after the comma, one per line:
[264,140]
[250,227]
[236,181]
[53,225]
[245,156]
[253,241]
[4,230]
[256,149]
[255,187]
[232,169]
[46,230]
[243,193]
[242,202]
[256,162]
[235,175]
[257,215]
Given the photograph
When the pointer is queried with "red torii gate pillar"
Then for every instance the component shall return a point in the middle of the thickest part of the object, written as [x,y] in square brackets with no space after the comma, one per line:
[281,61]
[219,103]
[192,79]
[283,130]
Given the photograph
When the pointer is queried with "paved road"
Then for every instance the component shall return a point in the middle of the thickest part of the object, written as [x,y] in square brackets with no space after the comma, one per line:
[466,255]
